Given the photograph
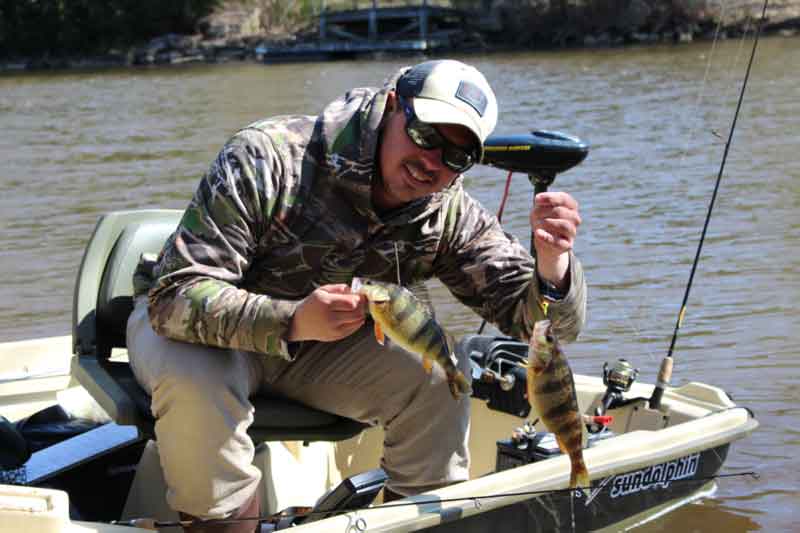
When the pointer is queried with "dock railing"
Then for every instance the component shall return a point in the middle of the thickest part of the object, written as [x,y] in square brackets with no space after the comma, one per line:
[348,5]
[367,21]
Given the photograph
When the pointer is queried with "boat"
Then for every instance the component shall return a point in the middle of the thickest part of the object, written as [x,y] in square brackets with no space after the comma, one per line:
[77,451]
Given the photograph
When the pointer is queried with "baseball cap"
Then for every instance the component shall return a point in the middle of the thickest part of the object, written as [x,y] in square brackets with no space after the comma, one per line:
[446,91]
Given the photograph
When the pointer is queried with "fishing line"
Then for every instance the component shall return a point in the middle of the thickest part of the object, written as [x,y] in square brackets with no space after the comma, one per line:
[694,121]
[694,125]
[571,492]
[729,90]
[397,260]
[665,372]
[703,85]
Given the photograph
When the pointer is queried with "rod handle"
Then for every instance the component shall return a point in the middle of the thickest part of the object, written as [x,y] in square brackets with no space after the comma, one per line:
[664,377]
[539,185]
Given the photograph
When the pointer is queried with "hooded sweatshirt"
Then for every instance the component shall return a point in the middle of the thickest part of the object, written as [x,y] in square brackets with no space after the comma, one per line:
[286,207]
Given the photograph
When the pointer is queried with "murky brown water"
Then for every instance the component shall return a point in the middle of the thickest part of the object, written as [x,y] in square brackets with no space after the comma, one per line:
[75,145]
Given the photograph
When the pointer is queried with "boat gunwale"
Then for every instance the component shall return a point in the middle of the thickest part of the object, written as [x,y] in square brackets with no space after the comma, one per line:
[552,474]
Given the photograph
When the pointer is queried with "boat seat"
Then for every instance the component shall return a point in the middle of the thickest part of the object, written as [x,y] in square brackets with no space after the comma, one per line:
[101,306]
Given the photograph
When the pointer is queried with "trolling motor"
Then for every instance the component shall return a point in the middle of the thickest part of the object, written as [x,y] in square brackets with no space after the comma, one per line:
[539,154]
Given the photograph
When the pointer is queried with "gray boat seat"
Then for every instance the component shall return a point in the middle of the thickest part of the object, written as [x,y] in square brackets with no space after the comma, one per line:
[102,302]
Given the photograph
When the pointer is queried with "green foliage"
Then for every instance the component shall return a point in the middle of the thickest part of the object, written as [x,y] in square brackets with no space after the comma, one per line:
[64,27]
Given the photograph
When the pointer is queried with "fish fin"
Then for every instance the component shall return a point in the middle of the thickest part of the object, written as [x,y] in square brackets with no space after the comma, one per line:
[463,384]
[451,341]
[561,445]
[454,390]
[459,385]
[379,334]
[427,364]
[584,437]
[579,479]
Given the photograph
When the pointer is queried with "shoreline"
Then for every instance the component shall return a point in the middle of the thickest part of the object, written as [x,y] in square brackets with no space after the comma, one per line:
[176,50]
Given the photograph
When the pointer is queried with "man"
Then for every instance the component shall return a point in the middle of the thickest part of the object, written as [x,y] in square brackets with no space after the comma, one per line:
[252,288]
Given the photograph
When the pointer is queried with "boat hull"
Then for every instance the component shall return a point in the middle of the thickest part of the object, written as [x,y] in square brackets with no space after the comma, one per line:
[612,500]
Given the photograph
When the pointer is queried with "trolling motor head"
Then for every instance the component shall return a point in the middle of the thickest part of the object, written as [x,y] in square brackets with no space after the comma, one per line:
[540,154]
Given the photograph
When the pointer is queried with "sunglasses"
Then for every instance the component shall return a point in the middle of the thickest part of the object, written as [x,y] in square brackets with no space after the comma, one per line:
[426,136]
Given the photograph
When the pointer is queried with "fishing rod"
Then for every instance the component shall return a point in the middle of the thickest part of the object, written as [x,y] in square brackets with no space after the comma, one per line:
[665,371]
[287,517]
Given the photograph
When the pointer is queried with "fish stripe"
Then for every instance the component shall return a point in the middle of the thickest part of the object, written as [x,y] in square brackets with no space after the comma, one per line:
[575,440]
[548,387]
[403,309]
[557,412]
[422,332]
[434,343]
[568,425]
[399,303]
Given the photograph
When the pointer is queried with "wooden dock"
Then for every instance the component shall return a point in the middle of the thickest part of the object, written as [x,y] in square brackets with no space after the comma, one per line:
[375,28]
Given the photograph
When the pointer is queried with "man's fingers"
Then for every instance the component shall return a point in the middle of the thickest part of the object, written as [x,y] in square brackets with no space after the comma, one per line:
[542,235]
[349,315]
[557,226]
[559,242]
[556,232]
[343,302]
[554,199]
[561,213]
[336,288]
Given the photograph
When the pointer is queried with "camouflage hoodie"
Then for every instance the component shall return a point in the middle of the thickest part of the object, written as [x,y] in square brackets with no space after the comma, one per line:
[286,207]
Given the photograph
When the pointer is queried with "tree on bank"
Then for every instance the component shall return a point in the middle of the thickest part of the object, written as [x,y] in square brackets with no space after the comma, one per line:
[65,27]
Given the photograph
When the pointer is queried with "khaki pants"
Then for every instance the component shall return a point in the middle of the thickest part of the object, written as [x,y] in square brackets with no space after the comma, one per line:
[200,399]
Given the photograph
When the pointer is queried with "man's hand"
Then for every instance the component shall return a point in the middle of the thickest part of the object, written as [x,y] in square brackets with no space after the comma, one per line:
[554,222]
[330,313]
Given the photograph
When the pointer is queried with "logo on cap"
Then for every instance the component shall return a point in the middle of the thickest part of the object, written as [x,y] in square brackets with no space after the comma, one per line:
[472,94]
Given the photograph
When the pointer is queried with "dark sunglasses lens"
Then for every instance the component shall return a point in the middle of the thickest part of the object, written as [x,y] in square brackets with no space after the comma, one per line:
[457,159]
[424,135]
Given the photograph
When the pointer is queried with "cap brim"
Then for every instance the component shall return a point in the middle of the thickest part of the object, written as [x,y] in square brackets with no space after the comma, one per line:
[437,112]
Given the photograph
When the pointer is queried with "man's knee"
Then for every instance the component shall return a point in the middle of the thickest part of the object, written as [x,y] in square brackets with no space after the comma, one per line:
[205,450]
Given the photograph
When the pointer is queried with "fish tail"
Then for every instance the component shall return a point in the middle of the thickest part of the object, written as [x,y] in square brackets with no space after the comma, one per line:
[579,477]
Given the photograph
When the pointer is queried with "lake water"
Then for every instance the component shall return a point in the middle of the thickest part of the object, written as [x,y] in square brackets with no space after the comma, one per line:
[74,145]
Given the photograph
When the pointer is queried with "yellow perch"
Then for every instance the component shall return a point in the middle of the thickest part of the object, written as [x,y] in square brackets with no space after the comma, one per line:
[409,323]
[551,392]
